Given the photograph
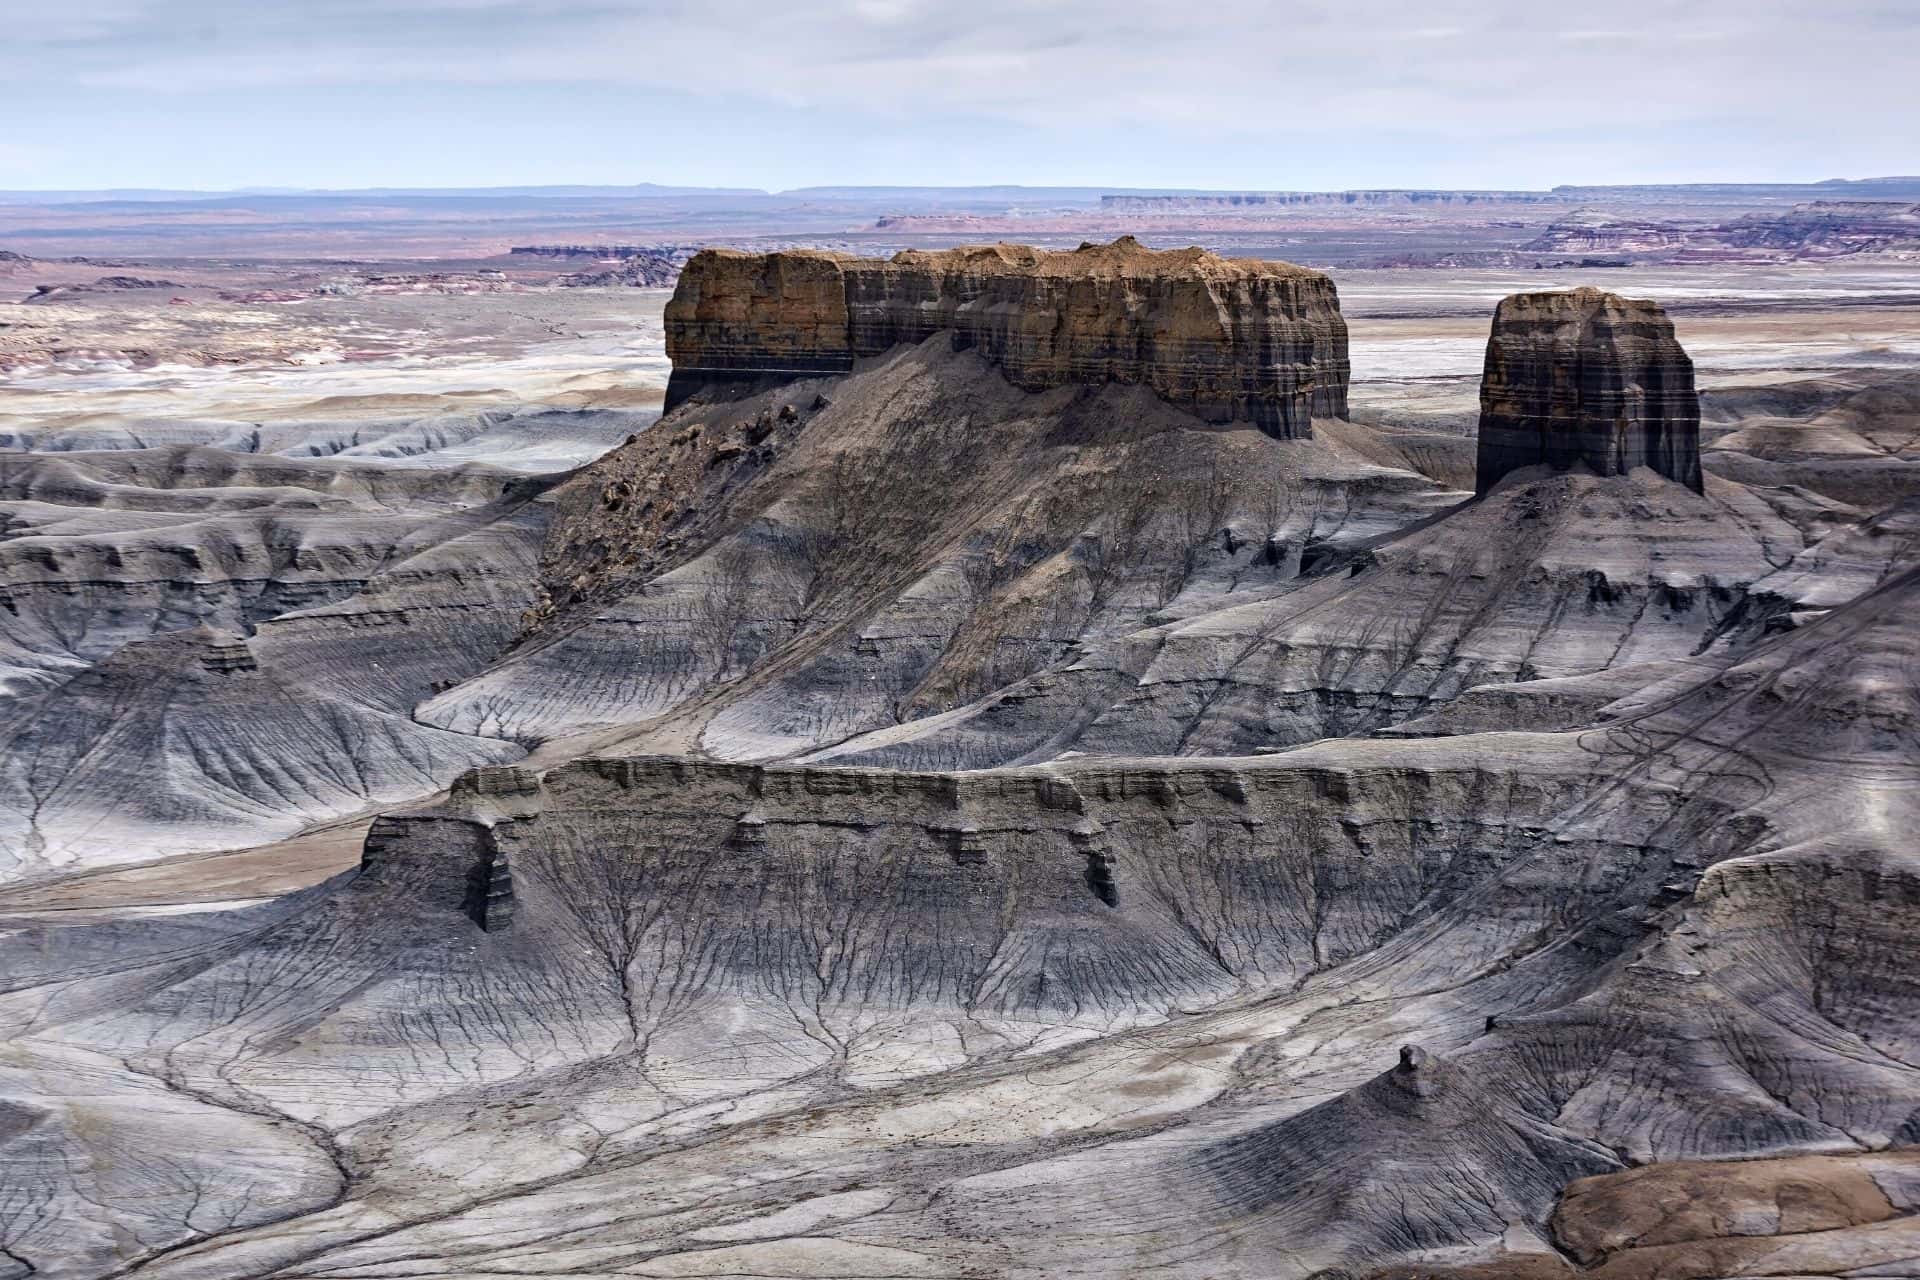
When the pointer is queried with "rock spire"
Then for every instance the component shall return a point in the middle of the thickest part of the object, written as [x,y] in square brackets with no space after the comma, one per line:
[1586,376]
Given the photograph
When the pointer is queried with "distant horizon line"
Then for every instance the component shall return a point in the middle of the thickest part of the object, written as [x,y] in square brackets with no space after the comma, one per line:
[37,195]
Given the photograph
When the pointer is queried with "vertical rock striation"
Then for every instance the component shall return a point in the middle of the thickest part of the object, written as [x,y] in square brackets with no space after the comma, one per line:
[1228,340]
[1587,376]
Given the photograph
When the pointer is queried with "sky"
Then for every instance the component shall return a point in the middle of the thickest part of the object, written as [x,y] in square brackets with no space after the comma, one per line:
[222,94]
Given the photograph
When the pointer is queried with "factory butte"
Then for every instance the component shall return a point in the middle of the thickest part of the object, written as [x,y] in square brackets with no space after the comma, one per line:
[1580,377]
[924,480]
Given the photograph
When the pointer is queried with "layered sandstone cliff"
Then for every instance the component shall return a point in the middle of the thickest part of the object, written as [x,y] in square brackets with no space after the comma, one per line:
[1225,339]
[1587,377]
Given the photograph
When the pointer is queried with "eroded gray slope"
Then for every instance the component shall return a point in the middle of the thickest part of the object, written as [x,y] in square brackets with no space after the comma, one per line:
[872,943]
[851,553]
[205,649]
[1545,578]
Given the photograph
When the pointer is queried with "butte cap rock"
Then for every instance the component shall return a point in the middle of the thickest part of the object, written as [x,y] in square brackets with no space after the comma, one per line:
[1226,339]
[1586,376]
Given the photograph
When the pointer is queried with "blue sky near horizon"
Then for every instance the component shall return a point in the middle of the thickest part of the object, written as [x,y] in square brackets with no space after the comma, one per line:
[219,94]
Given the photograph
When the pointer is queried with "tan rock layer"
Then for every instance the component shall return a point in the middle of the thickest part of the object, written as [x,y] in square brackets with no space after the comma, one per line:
[1225,339]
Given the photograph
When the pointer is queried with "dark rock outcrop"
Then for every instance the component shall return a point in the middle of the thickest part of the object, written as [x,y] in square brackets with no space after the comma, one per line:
[1224,339]
[1587,377]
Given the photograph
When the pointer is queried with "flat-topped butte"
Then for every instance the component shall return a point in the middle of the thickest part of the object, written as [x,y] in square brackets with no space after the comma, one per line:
[1226,339]
[1583,376]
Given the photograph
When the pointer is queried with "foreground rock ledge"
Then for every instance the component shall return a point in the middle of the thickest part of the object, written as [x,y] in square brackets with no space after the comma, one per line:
[1587,377]
[1227,339]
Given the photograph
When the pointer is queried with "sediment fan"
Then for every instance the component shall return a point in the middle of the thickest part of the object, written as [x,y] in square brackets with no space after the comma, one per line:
[978,790]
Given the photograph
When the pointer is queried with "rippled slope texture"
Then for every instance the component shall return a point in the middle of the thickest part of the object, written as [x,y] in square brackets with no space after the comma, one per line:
[897,822]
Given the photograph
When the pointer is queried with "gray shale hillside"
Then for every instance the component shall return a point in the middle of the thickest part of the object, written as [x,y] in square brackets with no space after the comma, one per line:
[1004,779]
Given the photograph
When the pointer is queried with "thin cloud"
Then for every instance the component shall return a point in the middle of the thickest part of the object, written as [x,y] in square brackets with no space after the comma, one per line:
[1499,73]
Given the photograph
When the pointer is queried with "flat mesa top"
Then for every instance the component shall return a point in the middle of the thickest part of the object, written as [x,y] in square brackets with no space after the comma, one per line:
[1580,299]
[1125,257]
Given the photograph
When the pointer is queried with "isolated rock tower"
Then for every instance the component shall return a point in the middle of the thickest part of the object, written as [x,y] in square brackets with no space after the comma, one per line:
[1586,376]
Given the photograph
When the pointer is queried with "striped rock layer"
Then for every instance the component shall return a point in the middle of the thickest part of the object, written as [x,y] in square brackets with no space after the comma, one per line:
[1228,340]
[1587,377]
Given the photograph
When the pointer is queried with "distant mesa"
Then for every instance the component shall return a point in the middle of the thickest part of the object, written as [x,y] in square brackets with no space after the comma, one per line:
[1226,339]
[1587,377]
[592,252]
[1831,228]
[1192,202]
[105,284]
[633,265]
[1815,231]
[652,271]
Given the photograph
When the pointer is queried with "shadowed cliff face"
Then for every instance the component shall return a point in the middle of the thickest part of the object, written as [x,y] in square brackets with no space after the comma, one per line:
[1587,377]
[1228,340]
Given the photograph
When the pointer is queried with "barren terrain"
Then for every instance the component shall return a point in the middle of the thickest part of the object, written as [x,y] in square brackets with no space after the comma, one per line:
[890,821]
